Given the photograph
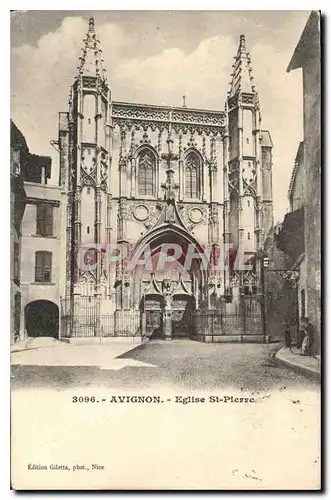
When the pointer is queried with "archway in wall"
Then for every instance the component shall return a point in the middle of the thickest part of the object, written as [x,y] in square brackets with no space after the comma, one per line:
[159,283]
[148,263]
[42,319]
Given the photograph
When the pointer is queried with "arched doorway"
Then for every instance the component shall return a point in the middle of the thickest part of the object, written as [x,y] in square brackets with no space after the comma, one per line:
[173,289]
[42,319]
[152,245]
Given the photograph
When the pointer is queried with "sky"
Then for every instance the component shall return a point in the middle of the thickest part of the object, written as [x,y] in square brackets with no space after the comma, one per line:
[155,57]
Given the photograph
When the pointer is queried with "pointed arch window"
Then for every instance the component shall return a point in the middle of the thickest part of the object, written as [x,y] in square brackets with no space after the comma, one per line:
[192,176]
[146,172]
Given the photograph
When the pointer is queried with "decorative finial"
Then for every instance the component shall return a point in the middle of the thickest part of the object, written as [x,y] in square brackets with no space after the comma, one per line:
[184,101]
[91,25]
[90,61]
[242,44]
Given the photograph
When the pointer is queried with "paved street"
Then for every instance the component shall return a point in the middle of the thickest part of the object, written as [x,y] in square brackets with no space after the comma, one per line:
[179,363]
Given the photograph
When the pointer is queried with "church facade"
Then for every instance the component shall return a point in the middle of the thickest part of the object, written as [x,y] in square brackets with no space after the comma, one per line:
[153,195]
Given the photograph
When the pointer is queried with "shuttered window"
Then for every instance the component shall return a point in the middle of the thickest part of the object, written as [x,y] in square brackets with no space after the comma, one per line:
[16,269]
[43,267]
[44,219]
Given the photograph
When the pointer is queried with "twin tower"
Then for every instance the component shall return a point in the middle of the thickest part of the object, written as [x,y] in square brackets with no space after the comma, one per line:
[138,175]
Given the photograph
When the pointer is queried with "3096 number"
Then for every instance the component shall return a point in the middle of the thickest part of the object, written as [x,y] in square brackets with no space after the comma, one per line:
[83,399]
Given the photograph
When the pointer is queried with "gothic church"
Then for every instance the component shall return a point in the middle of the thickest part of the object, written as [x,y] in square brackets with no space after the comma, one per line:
[145,175]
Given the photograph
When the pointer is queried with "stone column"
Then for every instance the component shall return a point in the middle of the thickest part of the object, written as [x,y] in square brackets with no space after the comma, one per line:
[226,205]
[167,315]
[167,323]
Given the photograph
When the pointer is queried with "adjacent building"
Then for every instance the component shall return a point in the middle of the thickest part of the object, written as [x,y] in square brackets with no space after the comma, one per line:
[290,241]
[19,155]
[41,261]
[307,55]
[298,238]
[36,234]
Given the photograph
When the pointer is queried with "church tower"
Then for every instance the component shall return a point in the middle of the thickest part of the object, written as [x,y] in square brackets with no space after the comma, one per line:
[248,200]
[84,142]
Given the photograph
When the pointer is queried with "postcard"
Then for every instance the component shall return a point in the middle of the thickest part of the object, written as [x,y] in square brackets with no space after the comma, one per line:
[165,250]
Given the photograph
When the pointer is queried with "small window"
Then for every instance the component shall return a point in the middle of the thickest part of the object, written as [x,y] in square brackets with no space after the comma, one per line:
[248,203]
[88,189]
[247,140]
[44,220]
[248,236]
[43,267]
[88,229]
[89,121]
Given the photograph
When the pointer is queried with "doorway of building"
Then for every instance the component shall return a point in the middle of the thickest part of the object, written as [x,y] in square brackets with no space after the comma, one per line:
[153,307]
[182,316]
[42,319]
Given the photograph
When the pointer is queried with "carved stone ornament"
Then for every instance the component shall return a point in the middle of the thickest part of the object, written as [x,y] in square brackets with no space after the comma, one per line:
[195,215]
[141,212]
[159,117]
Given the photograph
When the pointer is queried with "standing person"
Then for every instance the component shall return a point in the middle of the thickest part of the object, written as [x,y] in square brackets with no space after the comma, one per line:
[287,335]
[301,333]
[307,343]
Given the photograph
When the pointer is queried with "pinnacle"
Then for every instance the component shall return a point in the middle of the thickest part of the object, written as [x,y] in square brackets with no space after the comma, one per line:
[242,43]
[90,61]
[242,80]
[91,25]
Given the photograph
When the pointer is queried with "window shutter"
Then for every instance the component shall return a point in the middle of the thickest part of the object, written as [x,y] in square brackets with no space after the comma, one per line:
[47,266]
[43,267]
[44,220]
[48,220]
[16,261]
[39,266]
[40,219]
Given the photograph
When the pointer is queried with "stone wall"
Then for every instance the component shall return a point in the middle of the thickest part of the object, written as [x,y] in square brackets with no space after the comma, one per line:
[311,89]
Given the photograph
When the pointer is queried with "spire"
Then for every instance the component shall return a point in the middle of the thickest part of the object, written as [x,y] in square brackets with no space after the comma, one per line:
[242,80]
[91,61]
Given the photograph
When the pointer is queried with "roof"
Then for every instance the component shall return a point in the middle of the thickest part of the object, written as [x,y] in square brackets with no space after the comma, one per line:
[17,139]
[297,162]
[266,139]
[31,164]
[308,46]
